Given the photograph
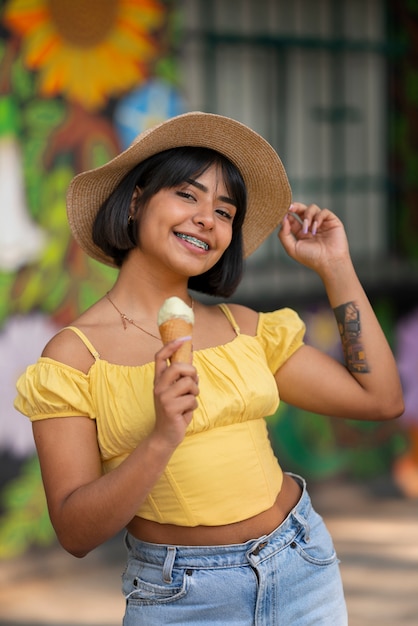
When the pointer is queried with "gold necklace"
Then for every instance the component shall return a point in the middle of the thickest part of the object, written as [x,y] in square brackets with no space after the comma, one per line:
[125,318]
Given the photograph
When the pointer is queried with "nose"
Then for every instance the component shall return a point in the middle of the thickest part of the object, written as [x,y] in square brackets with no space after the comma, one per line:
[204,216]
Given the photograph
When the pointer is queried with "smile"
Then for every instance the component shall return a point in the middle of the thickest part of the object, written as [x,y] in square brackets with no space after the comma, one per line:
[193,240]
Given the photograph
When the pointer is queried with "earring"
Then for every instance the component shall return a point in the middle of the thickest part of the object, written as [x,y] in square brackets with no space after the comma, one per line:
[130,219]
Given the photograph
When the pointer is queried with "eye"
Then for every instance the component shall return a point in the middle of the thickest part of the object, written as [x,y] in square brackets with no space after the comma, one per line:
[225,213]
[186,195]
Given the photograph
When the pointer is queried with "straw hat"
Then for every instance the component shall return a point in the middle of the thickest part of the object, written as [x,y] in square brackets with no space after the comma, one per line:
[268,189]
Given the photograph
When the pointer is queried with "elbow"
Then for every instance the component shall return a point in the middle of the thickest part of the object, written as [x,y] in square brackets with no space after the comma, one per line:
[74,538]
[391,409]
[74,549]
[76,546]
[397,406]
[398,411]
[78,554]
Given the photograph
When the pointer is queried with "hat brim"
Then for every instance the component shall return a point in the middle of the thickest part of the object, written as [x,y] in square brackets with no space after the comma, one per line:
[268,189]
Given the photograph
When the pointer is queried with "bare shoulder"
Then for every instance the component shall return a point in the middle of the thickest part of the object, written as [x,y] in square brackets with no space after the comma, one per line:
[246,318]
[67,347]
[212,327]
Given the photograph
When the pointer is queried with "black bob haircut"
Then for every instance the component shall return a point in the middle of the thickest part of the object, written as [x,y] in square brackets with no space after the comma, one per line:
[164,170]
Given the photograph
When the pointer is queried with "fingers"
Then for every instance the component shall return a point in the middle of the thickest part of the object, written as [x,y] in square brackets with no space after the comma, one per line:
[172,407]
[177,381]
[306,219]
[312,236]
[164,355]
[175,396]
[176,385]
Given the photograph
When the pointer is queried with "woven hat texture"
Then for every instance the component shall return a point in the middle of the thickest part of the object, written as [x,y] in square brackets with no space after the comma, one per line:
[268,189]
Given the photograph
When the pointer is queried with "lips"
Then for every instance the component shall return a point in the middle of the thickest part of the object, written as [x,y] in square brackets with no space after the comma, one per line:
[193,240]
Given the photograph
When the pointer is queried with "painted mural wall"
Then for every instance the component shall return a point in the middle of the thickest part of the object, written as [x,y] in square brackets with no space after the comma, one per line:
[78,80]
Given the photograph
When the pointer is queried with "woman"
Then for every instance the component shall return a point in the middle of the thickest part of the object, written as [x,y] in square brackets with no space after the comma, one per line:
[179,454]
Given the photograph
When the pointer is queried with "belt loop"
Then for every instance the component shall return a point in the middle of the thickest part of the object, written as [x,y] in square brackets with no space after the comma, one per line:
[304,524]
[168,564]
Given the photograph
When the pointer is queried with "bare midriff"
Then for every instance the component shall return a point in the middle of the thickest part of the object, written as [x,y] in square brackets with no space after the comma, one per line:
[238,532]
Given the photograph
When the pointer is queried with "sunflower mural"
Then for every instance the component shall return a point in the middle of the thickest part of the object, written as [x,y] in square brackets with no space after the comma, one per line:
[87,51]
[75,78]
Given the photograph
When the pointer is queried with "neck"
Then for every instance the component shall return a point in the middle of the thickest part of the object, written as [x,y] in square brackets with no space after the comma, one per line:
[144,295]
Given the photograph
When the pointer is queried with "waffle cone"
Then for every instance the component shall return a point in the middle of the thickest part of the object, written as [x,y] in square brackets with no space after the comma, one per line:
[174,329]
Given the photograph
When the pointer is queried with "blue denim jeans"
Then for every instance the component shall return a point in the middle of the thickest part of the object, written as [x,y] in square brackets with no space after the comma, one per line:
[287,578]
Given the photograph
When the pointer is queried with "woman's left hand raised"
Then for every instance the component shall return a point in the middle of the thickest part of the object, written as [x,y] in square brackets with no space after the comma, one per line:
[314,237]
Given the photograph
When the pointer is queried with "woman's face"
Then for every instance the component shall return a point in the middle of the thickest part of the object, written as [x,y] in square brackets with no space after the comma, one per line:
[187,228]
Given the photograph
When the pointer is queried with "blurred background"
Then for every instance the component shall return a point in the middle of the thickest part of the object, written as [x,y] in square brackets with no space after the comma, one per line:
[333,85]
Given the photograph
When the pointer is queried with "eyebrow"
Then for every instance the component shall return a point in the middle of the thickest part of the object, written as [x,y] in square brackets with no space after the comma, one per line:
[205,190]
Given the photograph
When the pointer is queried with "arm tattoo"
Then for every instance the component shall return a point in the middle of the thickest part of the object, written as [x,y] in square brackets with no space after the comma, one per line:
[348,320]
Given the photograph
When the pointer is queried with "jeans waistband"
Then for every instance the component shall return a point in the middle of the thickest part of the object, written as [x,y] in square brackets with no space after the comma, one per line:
[168,556]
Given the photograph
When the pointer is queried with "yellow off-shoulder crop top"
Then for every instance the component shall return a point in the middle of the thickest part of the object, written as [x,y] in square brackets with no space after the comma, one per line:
[225,470]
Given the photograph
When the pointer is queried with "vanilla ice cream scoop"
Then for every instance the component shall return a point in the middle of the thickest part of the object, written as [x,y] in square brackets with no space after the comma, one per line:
[175,307]
[175,320]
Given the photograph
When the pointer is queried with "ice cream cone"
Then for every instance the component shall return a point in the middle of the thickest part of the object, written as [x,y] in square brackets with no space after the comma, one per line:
[175,320]
[174,329]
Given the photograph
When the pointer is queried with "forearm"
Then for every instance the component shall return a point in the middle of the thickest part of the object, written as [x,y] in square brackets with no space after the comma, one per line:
[99,509]
[367,354]
[369,386]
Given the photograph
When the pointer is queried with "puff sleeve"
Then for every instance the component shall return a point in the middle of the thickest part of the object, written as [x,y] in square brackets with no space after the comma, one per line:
[50,389]
[280,334]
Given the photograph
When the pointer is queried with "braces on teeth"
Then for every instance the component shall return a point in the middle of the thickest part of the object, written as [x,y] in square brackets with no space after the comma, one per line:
[193,240]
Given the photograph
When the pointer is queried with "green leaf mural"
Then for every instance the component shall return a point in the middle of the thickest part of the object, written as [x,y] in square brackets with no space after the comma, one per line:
[25,522]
